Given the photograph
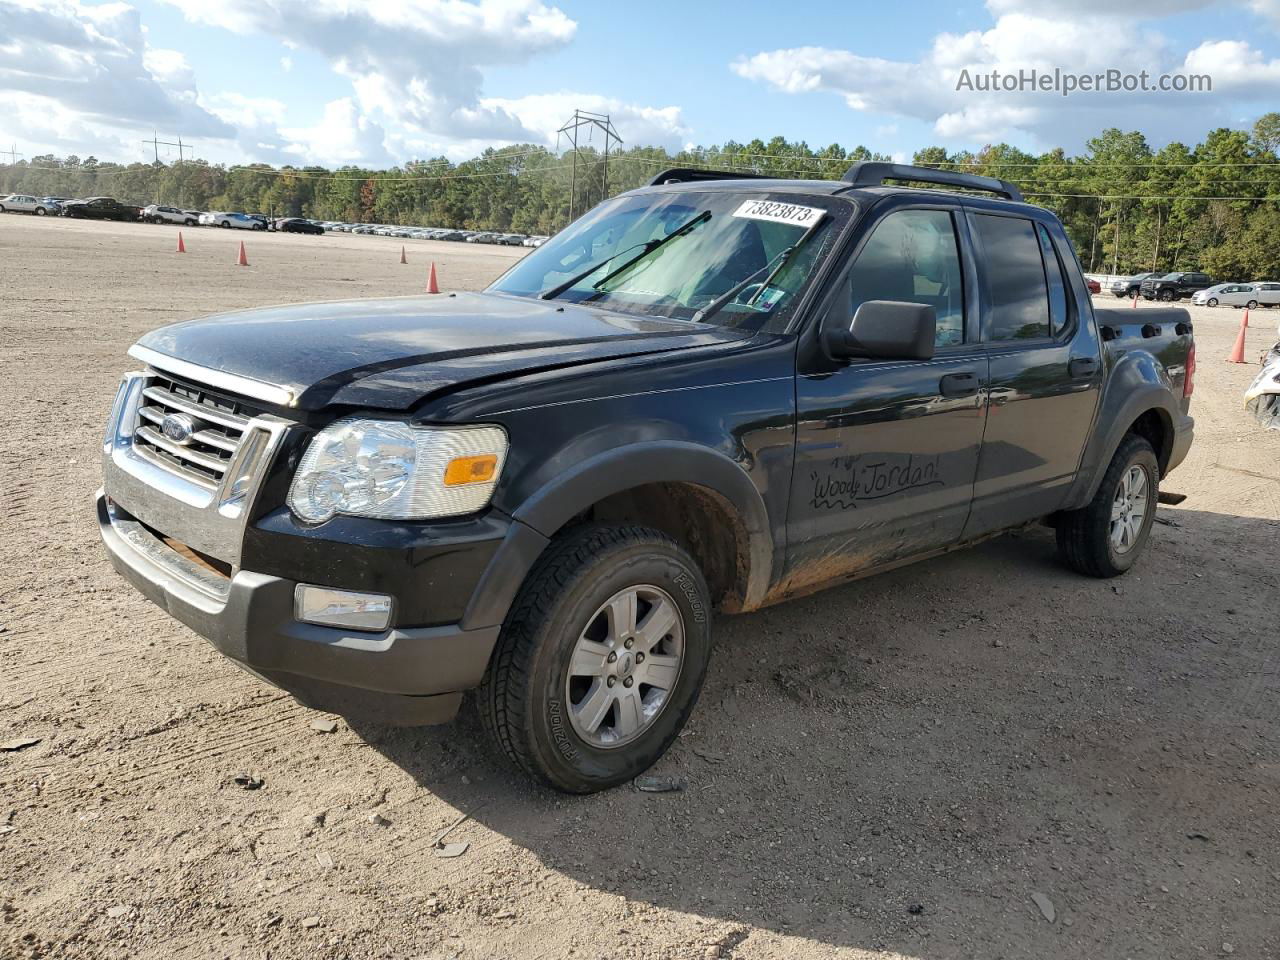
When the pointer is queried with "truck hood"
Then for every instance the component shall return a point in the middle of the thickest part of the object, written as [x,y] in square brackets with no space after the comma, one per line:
[392,353]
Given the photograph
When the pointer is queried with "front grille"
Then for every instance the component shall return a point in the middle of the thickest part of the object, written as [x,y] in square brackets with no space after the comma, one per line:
[218,422]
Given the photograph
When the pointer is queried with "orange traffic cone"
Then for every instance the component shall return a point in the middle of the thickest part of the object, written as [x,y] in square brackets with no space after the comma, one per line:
[1237,352]
[432,286]
[402,259]
[182,247]
[243,261]
[1245,321]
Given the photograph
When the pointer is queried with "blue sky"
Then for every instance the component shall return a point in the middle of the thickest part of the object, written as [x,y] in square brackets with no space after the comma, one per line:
[333,81]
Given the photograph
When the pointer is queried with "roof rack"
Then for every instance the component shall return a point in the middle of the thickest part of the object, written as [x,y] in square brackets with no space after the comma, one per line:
[689,174]
[872,173]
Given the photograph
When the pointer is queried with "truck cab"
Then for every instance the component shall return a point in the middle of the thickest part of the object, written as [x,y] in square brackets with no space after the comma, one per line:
[705,396]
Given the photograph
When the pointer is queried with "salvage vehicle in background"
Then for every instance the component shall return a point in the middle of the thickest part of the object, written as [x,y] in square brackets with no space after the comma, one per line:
[101,208]
[157,213]
[1129,286]
[1267,292]
[22,203]
[1227,295]
[713,393]
[1173,286]
[297,225]
[236,221]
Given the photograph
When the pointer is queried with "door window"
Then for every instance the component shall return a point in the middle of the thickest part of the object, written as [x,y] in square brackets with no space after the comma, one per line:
[912,256]
[1057,284]
[1015,278]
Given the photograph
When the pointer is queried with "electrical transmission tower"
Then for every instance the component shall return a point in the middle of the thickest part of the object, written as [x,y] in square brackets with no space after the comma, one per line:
[572,128]
[157,143]
[12,153]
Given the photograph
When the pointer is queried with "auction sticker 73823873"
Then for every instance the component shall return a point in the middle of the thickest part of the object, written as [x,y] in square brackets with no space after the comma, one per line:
[778,212]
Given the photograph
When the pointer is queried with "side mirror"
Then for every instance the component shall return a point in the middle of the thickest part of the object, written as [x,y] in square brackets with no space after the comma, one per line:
[887,330]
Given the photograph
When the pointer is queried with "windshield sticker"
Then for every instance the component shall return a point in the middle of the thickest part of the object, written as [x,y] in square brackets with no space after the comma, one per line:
[776,212]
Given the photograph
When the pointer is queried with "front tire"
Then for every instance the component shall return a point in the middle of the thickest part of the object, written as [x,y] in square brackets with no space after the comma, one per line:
[601,659]
[1105,538]
[1211,302]
[40,211]
[1251,305]
[1166,295]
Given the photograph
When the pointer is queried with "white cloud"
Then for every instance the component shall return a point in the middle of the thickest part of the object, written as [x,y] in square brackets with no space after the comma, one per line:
[286,64]
[1091,37]
[93,63]
[417,63]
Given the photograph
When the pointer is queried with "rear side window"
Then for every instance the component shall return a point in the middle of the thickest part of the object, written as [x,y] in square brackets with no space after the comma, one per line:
[912,256]
[1057,282]
[1015,278]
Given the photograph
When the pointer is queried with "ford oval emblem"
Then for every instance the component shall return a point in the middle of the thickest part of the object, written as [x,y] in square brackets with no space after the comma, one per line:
[178,427]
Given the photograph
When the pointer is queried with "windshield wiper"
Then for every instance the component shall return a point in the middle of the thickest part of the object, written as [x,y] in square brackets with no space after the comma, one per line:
[649,246]
[780,259]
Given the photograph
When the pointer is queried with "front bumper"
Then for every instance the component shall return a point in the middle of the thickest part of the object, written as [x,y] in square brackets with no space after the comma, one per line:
[404,676]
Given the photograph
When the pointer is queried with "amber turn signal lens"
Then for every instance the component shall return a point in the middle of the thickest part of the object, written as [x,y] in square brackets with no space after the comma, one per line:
[464,470]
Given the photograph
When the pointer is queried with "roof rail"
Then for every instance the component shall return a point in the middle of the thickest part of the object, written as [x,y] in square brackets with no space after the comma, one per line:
[689,174]
[872,173]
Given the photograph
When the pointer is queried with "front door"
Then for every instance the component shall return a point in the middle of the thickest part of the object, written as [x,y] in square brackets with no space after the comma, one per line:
[886,450]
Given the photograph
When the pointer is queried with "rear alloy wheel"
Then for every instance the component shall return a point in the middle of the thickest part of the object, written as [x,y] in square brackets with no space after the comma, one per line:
[601,659]
[40,211]
[1105,538]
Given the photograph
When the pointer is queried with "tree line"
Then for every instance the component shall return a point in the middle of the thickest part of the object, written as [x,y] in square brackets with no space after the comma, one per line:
[1214,206]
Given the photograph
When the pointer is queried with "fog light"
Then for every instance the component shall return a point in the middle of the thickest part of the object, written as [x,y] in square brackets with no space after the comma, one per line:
[341,608]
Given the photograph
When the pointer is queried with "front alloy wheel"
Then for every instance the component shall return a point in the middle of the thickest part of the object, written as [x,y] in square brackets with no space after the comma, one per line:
[601,658]
[625,666]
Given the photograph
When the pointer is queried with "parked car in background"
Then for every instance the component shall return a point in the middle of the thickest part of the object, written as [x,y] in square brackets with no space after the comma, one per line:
[1174,286]
[1128,286]
[101,208]
[1267,292]
[1226,295]
[534,241]
[156,213]
[1093,285]
[297,225]
[237,221]
[21,203]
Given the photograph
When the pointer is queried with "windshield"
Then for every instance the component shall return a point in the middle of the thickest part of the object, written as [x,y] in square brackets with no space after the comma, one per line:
[676,254]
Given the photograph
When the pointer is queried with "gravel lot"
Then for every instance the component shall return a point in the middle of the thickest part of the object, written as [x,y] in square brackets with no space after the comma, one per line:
[889,769]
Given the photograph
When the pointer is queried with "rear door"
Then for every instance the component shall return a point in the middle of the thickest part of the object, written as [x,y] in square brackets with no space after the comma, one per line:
[886,450]
[1045,372]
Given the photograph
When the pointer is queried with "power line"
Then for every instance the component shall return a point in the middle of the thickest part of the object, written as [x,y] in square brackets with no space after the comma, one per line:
[12,153]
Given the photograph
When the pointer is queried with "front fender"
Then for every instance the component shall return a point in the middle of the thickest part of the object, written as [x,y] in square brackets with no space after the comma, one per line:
[559,500]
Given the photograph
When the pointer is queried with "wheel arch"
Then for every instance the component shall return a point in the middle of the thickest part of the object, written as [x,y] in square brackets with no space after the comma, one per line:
[700,497]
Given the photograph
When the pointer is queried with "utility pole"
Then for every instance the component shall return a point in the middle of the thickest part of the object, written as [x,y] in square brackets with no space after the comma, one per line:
[581,119]
[12,153]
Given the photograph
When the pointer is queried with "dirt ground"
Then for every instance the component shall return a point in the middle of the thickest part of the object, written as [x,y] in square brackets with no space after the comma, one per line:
[889,769]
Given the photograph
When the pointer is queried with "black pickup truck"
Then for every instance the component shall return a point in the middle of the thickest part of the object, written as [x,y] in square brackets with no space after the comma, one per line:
[709,394]
[1174,286]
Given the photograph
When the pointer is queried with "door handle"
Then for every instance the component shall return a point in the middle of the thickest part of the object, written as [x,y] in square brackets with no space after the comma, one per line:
[1082,367]
[959,385]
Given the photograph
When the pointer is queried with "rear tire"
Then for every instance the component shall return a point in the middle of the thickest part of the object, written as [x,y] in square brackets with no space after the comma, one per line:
[588,598]
[1093,540]
[40,211]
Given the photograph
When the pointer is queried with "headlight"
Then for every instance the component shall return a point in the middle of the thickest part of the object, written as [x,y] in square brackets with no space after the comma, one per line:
[390,470]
